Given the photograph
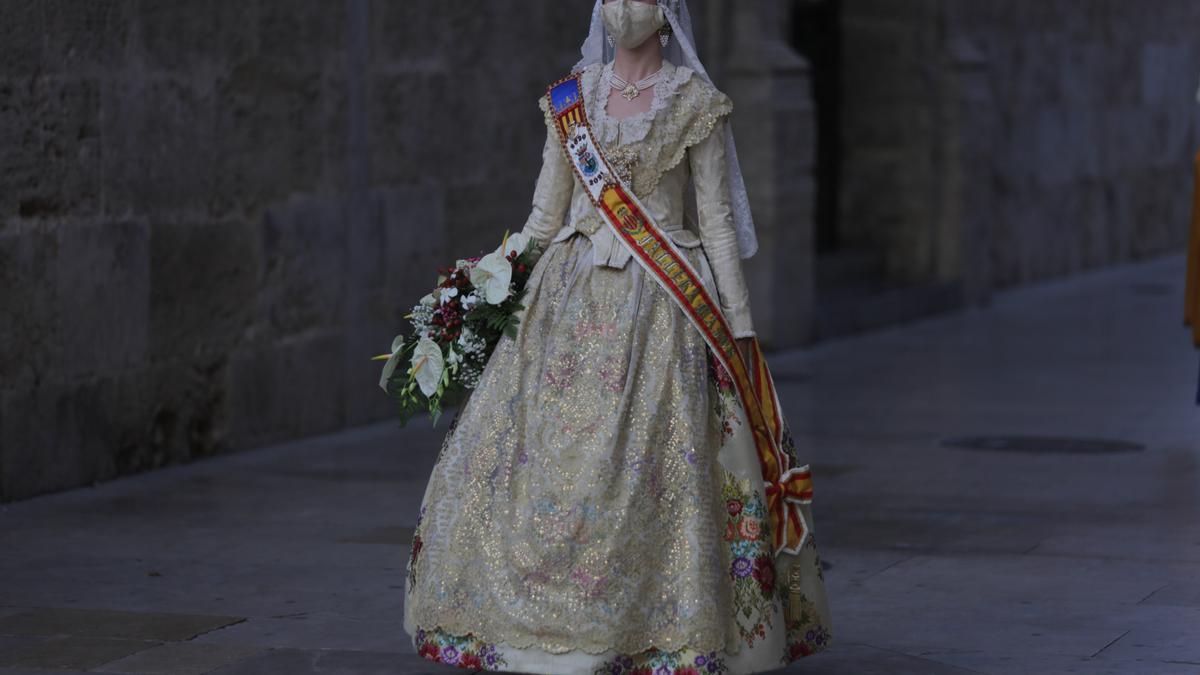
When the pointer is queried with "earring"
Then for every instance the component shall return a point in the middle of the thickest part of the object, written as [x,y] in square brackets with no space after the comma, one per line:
[664,35]
[612,42]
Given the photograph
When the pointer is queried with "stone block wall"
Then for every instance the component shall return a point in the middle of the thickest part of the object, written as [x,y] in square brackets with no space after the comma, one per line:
[1096,126]
[212,214]
[1007,142]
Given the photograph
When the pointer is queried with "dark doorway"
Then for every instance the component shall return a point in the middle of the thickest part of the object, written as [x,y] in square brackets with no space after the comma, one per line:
[854,290]
[816,34]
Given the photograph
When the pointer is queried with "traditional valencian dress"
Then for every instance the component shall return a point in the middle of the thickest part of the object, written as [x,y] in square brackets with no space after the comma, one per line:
[597,505]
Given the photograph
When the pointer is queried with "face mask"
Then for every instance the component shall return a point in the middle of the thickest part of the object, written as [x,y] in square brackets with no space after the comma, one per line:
[630,22]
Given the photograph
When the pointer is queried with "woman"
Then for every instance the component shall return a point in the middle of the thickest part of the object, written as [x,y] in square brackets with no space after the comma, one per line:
[601,503]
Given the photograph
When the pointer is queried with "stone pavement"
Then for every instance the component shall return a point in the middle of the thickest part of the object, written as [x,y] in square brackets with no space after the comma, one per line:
[290,559]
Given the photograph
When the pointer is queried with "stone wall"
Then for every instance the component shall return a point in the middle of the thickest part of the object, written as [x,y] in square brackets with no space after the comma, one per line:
[1006,142]
[212,214]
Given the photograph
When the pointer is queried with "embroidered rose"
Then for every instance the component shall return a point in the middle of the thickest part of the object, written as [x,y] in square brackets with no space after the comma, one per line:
[749,529]
[734,506]
[429,651]
[798,650]
[469,660]
[764,574]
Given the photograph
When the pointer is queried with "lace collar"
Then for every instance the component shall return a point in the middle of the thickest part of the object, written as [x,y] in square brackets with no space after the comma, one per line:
[635,127]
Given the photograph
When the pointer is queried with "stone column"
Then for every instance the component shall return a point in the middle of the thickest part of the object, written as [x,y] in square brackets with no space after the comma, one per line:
[966,217]
[774,121]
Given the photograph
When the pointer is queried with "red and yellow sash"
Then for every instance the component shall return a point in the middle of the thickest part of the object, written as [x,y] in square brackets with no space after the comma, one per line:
[787,487]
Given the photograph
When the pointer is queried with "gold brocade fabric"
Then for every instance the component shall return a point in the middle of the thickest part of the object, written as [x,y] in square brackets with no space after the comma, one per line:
[577,502]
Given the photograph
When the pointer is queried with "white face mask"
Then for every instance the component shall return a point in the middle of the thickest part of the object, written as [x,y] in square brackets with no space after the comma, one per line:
[631,22]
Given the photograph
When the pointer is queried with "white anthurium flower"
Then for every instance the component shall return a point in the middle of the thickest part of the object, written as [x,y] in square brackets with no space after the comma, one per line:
[392,359]
[515,242]
[493,275]
[427,366]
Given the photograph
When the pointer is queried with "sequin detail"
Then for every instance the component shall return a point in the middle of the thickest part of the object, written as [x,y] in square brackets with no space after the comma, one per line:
[415,551]
[577,504]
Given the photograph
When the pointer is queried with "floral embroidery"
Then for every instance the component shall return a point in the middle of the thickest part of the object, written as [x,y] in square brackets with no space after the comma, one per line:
[563,369]
[752,569]
[464,651]
[726,399]
[416,550]
[806,635]
[657,662]
[613,372]
[805,632]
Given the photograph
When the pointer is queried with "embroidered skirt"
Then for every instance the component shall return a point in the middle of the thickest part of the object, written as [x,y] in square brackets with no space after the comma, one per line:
[597,507]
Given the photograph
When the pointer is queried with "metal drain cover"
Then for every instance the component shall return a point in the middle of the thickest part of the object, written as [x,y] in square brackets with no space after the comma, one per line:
[1043,444]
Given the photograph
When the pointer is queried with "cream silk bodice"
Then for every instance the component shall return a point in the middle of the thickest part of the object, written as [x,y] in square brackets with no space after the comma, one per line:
[685,121]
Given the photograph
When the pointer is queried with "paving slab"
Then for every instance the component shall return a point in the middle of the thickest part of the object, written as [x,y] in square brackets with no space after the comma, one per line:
[102,623]
[847,658]
[329,631]
[181,658]
[68,653]
[999,577]
[331,662]
[39,671]
[1043,664]
[1183,593]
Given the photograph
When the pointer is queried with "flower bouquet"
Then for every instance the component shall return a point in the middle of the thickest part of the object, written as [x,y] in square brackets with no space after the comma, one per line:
[456,327]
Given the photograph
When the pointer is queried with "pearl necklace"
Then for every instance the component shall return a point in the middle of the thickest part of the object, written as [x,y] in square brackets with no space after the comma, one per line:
[631,90]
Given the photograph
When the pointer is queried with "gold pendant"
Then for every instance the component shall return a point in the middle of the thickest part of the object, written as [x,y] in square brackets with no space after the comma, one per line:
[630,92]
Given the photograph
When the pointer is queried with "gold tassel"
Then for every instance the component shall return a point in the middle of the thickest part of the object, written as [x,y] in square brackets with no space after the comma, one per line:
[795,596]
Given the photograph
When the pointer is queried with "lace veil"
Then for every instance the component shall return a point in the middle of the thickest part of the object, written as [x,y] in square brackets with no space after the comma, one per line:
[682,52]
